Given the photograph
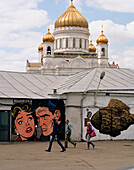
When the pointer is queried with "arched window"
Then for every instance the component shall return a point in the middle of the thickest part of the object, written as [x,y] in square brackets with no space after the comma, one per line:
[73,42]
[49,50]
[103,52]
[60,43]
[80,43]
[66,42]
[56,44]
[85,43]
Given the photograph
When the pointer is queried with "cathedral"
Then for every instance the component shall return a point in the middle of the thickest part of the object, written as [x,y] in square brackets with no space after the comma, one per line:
[68,50]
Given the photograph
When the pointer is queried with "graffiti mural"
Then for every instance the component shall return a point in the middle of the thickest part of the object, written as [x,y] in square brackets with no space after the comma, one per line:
[113,119]
[34,122]
[23,122]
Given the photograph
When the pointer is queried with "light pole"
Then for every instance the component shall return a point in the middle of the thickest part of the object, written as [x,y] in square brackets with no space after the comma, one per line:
[101,77]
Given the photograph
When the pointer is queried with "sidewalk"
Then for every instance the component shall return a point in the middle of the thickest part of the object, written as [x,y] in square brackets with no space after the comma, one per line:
[107,155]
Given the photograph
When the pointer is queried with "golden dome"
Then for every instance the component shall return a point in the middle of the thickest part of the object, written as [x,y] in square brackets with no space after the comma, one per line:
[40,48]
[102,39]
[71,18]
[91,47]
[48,37]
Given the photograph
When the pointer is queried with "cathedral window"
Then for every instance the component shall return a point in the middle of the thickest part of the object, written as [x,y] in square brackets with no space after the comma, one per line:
[56,43]
[80,43]
[60,43]
[73,42]
[85,43]
[49,50]
[103,52]
[66,42]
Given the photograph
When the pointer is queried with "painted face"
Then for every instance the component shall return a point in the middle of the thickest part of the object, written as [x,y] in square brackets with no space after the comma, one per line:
[57,114]
[25,125]
[45,119]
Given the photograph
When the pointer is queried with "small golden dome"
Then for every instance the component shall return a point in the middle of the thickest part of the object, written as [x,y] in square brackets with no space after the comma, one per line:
[102,39]
[91,47]
[48,37]
[71,18]
[40,48]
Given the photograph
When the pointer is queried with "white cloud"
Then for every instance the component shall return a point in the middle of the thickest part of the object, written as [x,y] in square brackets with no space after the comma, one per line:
[12,61]
[114,32]
[124,58]
[13,5]
[21,40]
[112,5]
[18,18]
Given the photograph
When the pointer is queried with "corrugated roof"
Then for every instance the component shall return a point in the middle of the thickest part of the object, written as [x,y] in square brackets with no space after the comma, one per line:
[24,85]
[114,79]
[36,86]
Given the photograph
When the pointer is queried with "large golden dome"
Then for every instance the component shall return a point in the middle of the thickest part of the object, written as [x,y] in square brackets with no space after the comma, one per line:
[102,39]
[48,37]
[71,17]
[40,48]
[91,47]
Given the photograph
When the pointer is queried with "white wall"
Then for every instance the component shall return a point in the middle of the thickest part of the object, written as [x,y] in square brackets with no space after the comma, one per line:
[73,113]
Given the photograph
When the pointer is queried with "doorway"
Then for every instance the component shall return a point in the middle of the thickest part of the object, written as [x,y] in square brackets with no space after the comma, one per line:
[4,126]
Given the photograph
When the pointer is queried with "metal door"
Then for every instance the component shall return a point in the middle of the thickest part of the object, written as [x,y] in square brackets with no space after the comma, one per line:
[4,126]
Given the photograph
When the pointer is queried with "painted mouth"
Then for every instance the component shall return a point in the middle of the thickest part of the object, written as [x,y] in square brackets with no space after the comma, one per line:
[29,129]
[44,129]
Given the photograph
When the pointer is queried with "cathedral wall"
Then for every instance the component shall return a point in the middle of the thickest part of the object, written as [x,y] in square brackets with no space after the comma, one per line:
[80,34]
[99,50]
[45,46]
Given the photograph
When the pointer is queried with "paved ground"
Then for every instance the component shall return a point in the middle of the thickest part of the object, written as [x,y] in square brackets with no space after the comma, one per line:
[107,155]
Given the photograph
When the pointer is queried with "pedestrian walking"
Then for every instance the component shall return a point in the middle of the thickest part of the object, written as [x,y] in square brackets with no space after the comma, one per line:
[55,135]
[88,137]
[68,134]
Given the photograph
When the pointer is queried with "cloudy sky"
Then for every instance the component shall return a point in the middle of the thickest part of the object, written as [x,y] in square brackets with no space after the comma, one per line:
[23,24]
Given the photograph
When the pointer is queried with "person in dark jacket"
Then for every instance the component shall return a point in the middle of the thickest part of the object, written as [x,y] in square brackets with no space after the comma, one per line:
[55,135]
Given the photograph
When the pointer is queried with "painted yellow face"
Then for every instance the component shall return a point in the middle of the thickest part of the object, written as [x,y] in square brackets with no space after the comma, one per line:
[45,119]
[25,125]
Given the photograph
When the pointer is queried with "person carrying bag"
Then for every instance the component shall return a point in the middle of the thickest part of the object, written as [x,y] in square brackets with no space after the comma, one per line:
[90,133]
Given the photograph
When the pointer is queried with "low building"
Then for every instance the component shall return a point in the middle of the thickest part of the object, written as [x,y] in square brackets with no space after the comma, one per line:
[78,92]
[66,79]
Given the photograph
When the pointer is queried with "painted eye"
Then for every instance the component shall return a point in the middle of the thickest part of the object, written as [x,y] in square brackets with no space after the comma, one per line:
[30,118]
[20,122]
[45,117]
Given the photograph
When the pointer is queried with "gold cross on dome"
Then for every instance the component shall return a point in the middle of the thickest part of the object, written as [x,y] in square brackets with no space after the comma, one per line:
[102,28]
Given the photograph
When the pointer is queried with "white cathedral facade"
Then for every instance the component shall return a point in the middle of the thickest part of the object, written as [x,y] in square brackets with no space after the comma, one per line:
[68,50]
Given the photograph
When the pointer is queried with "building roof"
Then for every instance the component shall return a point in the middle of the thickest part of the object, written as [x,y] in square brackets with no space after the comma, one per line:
[38,86]
[24,85]
[33,64]
[87,81]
